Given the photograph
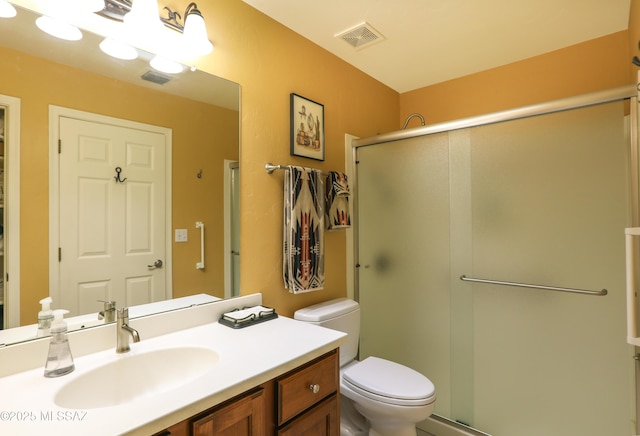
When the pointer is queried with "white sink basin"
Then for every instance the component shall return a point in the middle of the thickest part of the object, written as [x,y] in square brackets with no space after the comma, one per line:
[133,376]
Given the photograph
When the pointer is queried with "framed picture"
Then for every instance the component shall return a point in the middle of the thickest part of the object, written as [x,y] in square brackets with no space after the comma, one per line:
[307,128]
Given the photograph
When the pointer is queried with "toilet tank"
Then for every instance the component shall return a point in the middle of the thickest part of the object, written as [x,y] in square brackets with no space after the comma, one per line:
[341,314]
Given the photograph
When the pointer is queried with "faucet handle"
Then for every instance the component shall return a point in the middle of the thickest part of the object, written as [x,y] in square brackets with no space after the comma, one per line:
[108,305]
[107,313]
[123,313]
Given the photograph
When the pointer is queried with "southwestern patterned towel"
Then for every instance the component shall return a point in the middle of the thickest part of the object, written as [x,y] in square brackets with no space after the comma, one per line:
[303,258]
[337,201]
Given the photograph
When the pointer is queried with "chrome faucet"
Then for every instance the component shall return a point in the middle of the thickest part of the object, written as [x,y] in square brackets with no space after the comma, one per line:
[123,331]
[109,312]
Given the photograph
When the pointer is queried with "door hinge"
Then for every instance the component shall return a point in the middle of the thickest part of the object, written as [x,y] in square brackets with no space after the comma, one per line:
[59,254]
[59,146]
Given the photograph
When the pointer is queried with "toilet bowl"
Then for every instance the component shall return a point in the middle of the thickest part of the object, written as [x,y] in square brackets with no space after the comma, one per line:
[379,397]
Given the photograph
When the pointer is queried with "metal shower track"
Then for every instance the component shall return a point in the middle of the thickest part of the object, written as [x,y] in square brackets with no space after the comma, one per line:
[564,104]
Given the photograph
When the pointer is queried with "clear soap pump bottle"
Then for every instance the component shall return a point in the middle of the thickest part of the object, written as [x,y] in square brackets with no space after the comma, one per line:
[45,317]
[59,359]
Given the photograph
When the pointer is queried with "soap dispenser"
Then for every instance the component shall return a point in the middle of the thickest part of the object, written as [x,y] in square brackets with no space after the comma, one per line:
[59,359]
[45,317]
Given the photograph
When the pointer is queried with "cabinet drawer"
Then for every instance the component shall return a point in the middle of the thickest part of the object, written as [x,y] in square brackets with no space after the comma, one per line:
[304,387]
[321,420]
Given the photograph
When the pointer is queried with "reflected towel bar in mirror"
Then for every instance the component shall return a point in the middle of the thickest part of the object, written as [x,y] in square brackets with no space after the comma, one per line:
[525,285]
[270,168]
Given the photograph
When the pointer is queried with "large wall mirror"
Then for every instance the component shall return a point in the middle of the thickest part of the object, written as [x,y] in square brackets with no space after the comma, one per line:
[200,110]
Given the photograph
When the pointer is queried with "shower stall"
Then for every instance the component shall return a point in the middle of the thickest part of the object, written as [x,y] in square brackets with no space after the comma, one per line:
[539,196]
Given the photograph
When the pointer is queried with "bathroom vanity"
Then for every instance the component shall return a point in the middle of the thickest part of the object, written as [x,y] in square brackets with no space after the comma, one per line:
[302,400]
[188,375]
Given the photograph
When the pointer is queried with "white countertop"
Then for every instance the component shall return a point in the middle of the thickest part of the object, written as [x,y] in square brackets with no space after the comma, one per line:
[28,332]
[247,358]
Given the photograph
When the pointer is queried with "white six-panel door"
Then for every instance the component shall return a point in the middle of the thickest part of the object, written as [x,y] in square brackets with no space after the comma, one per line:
[111,215]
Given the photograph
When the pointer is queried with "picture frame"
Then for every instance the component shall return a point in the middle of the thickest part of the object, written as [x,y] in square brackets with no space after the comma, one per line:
[307,128]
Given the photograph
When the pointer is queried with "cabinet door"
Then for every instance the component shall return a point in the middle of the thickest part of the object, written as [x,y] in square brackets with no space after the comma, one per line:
[241,417]
[323,419]
[302,388]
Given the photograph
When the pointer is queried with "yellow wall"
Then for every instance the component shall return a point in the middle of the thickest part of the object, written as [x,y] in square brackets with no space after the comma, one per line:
[38,84]
[270,62]
[590,66]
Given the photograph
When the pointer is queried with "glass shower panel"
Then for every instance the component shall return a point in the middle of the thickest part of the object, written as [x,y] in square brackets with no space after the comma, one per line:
[549,206]
[404,263]
[541,200]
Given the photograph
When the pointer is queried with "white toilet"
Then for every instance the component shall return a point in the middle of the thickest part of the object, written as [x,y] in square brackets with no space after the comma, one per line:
[391,397]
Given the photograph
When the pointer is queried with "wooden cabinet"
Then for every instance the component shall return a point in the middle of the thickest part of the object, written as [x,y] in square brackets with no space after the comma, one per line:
[308,398]
[241,416]
[323,419]
[304,401]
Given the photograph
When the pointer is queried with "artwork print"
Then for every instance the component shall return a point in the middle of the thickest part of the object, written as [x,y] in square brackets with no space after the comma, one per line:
[307,128]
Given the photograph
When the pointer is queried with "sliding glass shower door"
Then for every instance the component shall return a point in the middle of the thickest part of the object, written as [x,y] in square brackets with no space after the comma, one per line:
[541,200]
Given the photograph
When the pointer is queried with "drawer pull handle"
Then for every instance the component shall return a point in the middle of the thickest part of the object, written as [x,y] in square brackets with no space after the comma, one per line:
[314,388]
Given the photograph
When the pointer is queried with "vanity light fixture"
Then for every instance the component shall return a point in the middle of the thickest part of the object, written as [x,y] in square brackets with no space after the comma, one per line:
[142,23]
[142,27]
[55,23]
[7,10]
[195,41]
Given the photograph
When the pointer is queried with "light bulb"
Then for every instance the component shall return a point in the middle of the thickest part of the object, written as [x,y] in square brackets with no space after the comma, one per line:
[195,37]
[118,49]
[166,65]
[144,17]
[58,28]
[91,5]
[82,5]
[7,10]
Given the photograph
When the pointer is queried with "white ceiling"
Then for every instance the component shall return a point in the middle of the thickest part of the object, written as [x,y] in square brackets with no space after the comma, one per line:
[431,41]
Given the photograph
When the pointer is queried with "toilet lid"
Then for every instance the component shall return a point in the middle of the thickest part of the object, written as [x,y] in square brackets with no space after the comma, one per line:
[389,379]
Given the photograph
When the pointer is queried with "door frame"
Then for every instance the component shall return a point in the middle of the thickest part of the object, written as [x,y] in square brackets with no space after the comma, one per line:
[12,214]
[57,112]
[229,221]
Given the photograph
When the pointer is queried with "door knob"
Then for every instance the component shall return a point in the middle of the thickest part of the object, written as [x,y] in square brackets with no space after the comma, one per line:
[156,264]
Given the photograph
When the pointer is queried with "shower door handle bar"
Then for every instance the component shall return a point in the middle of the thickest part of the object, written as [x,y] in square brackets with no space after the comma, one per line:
[631,277]
[526,285]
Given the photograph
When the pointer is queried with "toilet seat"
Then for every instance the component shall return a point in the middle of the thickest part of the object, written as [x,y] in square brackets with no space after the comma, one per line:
[389,382]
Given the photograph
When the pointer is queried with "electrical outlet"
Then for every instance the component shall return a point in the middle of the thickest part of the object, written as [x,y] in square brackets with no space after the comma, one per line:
[181,235]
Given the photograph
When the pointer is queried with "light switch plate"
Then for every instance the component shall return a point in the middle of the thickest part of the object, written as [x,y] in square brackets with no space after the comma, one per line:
[181,235]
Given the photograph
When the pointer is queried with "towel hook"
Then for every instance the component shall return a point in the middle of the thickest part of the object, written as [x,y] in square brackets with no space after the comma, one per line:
[117,176]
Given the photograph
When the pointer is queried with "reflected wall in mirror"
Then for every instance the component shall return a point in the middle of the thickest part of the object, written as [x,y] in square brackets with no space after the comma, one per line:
[201,110]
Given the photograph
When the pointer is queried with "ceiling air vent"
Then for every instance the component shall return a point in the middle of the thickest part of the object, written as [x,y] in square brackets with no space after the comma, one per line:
[154,77]
[361,35]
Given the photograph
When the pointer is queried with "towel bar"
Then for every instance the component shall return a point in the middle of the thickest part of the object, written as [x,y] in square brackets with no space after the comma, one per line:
[270,168]
[525,285]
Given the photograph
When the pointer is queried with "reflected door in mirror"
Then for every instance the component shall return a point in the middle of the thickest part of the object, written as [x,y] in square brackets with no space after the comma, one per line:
[112,209]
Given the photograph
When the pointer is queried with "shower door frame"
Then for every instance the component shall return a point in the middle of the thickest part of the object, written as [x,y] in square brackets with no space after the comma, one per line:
[628,92]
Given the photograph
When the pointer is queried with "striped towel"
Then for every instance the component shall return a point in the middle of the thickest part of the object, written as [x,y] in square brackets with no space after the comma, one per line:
[337,201]
[303,257]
